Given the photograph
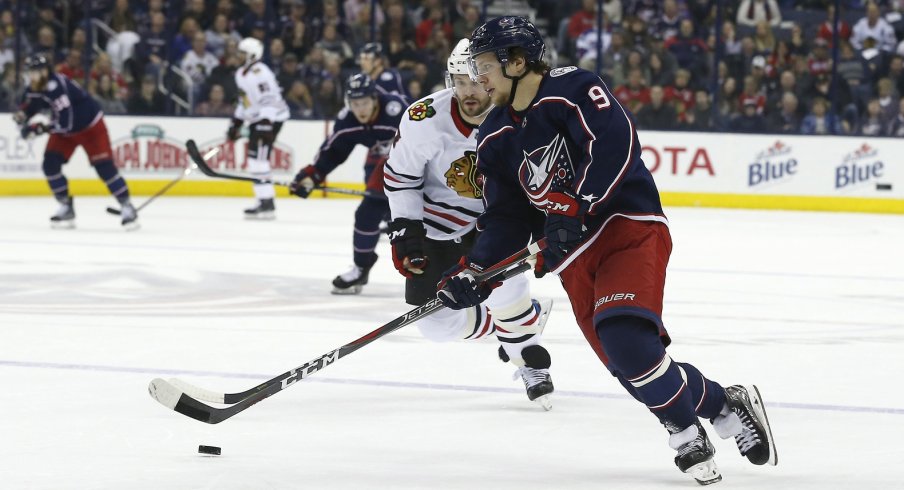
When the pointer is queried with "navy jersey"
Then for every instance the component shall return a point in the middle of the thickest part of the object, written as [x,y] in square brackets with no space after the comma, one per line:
[390,82]
[71,108]
[377,134]
[574,134]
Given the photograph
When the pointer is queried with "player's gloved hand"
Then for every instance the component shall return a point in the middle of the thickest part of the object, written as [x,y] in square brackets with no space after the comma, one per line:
[32,130]
[234,130]
[407,239]
[458,289]
[19,117]
[564,227]
[305,181]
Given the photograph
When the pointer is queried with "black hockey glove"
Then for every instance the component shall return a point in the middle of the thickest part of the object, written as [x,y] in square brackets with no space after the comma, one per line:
[32,130]
[407,239]
[305,181]
[564,227]
[459,290]
[234,130]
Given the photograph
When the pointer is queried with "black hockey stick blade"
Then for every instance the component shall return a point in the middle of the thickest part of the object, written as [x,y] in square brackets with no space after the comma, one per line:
[112,210]
[175,398]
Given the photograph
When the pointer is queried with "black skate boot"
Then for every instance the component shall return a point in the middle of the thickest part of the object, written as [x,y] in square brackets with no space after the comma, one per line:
[265,210]
[129,216]
[695,454]
[753,434]
[351,281]
[64,218]
[534,373]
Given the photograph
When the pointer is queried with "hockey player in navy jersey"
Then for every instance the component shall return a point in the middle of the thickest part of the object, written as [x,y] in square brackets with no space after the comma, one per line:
[373,64]
[75,120]
[435,199]
[560,158]
[370,118]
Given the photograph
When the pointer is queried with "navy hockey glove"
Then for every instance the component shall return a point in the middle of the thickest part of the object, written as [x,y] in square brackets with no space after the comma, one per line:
[232,133]
[564,227]
[305,181]
[459,290]
[407,239]
[32,130]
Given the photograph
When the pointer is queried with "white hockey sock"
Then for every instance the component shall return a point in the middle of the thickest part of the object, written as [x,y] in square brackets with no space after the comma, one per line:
[517,326]
[727,423]
[260,169]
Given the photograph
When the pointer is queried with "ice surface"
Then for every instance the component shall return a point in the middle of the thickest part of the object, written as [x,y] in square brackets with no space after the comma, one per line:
[809,306]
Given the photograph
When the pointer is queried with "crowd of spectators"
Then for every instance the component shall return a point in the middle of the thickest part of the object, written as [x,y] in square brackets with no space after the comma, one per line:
[775,57]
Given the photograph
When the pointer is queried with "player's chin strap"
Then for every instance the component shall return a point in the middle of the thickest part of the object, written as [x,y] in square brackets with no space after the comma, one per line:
[515,81]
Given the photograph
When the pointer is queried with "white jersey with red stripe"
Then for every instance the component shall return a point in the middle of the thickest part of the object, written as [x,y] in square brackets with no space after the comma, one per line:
[431,174]
[260,96]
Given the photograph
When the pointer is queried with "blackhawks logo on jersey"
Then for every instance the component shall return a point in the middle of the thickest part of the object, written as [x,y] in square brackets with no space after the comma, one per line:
[422,110]
[462,176]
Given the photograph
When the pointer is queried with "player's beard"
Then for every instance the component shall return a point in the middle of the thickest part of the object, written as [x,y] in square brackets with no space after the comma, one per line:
[474,110]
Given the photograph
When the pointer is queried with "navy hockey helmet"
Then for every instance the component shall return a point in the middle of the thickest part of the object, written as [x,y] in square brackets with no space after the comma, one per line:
[376,49]
[360,86]
[37,62]
[500,34]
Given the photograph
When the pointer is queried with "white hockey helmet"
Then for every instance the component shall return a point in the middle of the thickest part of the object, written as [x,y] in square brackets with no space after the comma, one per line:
[253,49]
[457,63]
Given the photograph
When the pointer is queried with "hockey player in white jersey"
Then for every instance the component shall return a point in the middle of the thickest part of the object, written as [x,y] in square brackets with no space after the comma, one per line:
[262,106]
[435,198]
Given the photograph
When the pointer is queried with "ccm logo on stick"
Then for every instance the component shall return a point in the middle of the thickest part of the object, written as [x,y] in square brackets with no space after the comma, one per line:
[613,297]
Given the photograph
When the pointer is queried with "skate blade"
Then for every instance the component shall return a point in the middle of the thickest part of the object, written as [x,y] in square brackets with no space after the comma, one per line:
[544,402]
[266,216]
[134,225]
[706,473]
[347,291]
[62,225]
[756,401]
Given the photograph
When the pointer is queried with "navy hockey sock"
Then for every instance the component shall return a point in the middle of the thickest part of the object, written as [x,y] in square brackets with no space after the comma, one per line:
[708,396]
[638,358]
[53,171]
[367,230]
[114,181]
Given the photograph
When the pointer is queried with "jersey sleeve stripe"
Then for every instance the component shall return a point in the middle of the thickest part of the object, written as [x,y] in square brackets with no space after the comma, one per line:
[447,217]
[400,174]
[394,189]
[434,224]
[465,211]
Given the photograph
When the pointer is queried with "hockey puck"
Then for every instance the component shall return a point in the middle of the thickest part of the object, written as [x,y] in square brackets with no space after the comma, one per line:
[209,450]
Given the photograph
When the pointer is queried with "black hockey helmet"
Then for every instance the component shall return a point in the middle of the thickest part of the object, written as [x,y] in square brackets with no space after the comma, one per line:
[360,86]
[37,62]
[376,49]
[500,34]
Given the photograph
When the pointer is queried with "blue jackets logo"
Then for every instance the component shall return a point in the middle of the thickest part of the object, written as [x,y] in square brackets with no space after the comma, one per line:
[774,164]
[861,165]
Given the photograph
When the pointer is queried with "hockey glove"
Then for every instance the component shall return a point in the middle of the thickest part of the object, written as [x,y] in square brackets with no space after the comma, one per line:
[19,117]
[305,181]
[234,130]
[407,239]
[564,227]
[32,130]
[459,290]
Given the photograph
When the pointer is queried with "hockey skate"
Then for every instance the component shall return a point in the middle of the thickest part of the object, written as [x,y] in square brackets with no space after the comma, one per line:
[64,218]
[129,216]
[265,210]
[351,281]
[748,423]
[535,374]
[695,454]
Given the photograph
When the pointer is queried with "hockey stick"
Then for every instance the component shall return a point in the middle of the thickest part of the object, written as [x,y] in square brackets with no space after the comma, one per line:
[167,187]
[195,154]
[180,396]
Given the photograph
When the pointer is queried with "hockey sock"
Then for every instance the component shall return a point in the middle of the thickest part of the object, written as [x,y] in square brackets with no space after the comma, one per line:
[448,325]
[708,396]
[260,169]
[53,171]
[114,181]
[637,355]
[367,230]
[517,327]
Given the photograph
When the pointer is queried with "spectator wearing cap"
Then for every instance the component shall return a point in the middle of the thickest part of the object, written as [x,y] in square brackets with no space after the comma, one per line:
[658,114]
[758,70]
[216,104]
[874,27]
[820,121]
[750,120]
[217,35]
[786,118]
[752,12]
[148,101]
[827,28]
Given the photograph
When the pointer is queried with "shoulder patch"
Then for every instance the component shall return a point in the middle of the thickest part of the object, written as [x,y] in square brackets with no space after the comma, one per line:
[557,72]
[386,76]
[52,85]
[393,108]
[421,110]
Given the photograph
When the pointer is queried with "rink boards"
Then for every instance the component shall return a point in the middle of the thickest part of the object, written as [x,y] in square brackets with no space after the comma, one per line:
[691,169]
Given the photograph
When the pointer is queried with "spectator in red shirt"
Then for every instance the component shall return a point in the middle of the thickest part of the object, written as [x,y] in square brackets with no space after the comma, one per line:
[752,95]
[680,95]
[582,20]
[634,94]
[828,27]
[436,19]
[73,66]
